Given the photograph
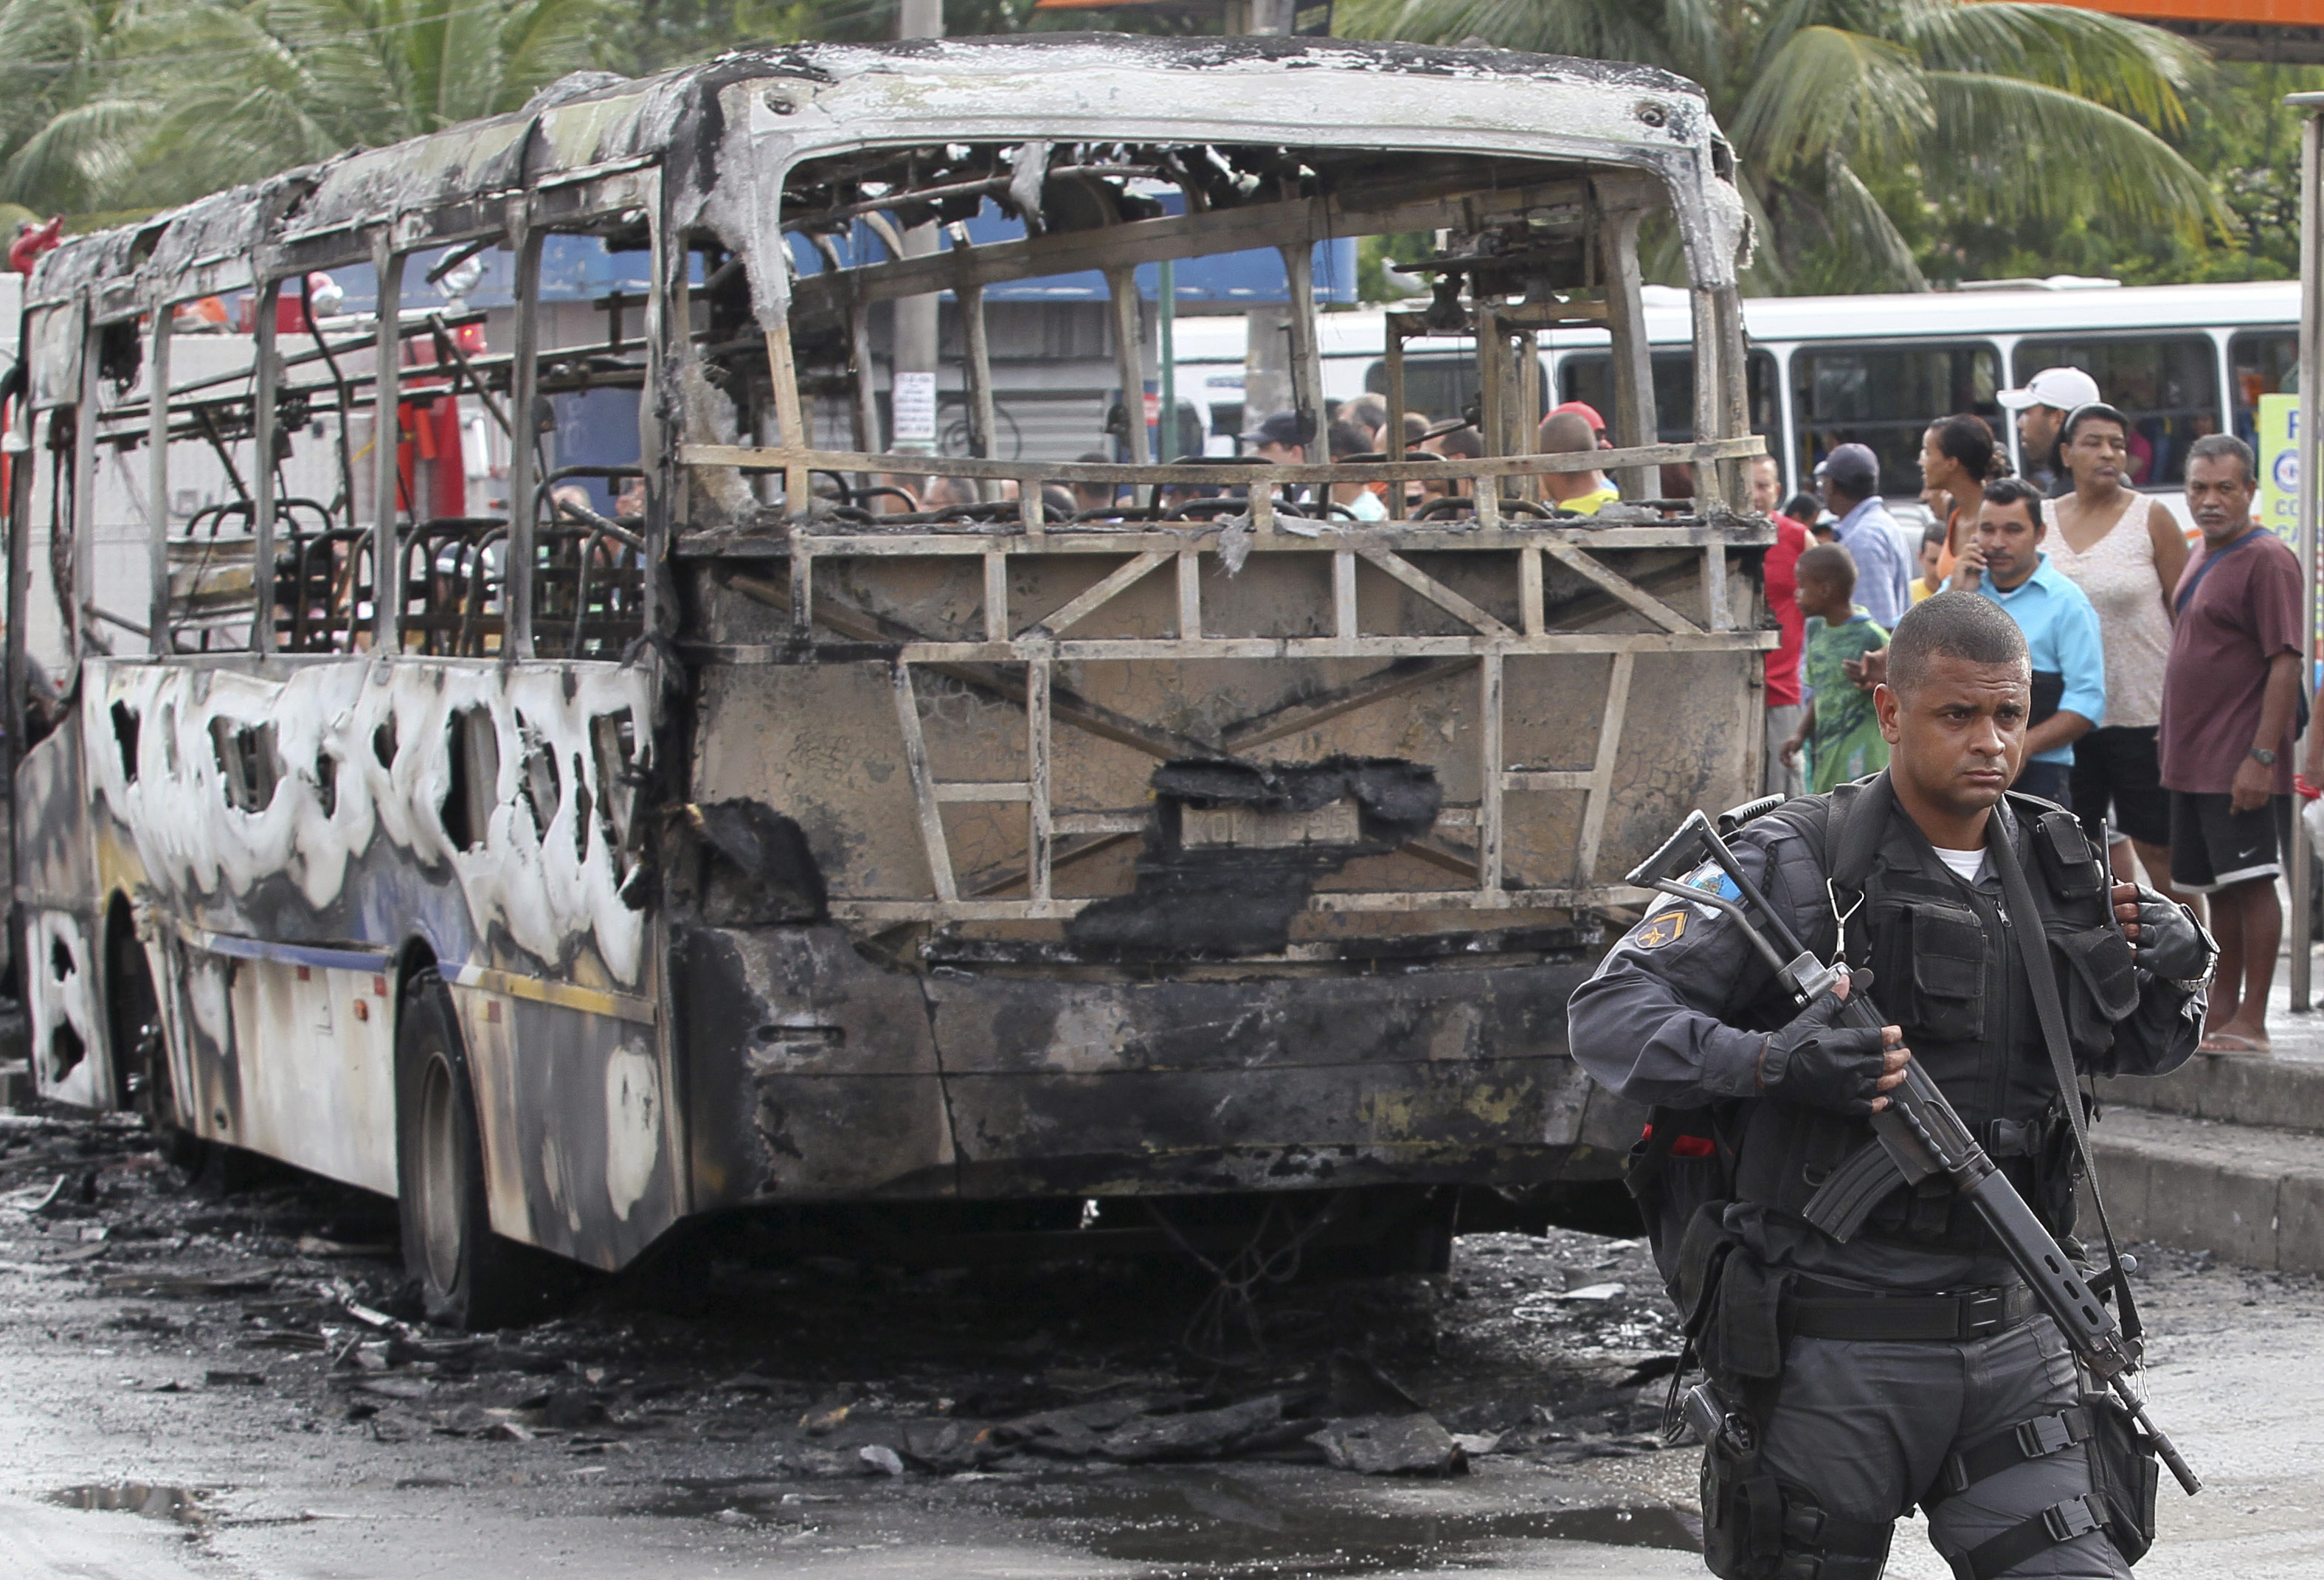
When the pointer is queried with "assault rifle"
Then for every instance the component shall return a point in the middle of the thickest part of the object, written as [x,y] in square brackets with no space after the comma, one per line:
[1919,1135]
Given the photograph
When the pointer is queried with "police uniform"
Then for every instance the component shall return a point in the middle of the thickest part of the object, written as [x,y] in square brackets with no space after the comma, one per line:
[1908,1365]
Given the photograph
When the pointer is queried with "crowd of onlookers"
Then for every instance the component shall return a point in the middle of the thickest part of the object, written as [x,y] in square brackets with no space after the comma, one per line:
[2166,685]
[1357,429]
[2166,690]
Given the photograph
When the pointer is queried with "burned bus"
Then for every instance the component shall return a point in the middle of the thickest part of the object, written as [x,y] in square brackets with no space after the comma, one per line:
[570,826]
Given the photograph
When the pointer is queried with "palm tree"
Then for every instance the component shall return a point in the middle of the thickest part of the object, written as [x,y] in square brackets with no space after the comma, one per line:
[65,123]
[262,86]
[1861,125]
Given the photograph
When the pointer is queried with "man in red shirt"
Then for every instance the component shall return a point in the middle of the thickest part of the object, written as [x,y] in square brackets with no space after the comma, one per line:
[2229,691]
[1780,571]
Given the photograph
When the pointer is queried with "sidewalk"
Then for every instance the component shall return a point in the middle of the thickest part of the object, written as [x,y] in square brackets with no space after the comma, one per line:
[2227,1152]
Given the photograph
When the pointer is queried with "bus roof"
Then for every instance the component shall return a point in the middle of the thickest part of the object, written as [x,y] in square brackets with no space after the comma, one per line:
[454,183]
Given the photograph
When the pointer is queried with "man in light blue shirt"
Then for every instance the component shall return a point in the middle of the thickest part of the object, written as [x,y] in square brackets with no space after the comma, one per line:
[2004,562]
[1852,491]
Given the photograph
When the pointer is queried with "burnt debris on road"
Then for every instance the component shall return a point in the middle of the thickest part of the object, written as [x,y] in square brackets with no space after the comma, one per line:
[1543,1347]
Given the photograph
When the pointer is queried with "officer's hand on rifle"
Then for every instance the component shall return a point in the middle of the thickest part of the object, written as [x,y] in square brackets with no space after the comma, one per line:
[1844,1069]
[2164,936]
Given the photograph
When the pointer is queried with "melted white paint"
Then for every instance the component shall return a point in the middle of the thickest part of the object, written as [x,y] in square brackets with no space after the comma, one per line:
[548,890]
[54,1002]
[632,1125]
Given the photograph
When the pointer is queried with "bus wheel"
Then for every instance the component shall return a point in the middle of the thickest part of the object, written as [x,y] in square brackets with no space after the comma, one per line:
[469,1277]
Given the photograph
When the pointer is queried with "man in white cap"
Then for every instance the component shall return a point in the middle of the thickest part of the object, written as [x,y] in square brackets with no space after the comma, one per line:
[2042,407]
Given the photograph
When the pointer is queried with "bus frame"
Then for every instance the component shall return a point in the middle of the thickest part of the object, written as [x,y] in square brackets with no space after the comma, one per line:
[519,896]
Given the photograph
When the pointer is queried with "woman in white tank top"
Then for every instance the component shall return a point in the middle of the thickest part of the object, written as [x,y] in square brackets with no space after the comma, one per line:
[2124,551]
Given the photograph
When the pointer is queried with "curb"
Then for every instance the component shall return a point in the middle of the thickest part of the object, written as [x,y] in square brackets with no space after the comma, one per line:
[2240,1088]
[2253,1195]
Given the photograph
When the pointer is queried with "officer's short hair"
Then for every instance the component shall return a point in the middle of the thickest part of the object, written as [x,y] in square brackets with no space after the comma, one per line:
[1967,625]
[1828,564]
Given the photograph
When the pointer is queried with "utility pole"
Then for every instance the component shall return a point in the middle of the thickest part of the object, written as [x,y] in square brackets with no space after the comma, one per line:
[1260,16]
[912,401]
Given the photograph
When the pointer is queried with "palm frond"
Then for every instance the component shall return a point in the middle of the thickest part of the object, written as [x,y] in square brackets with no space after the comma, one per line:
[1830,89]
[2123,65]
[74,154]
[2075,157]
[1864,230]
[541,42]
[273,130]
[1598,29]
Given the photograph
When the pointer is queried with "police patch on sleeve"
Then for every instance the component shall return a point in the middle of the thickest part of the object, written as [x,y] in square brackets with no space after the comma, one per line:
[1711,879]
[1656,930]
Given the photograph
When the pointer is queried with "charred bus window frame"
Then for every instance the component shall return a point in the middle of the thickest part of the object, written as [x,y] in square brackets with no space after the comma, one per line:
[1613,198]
[69,392]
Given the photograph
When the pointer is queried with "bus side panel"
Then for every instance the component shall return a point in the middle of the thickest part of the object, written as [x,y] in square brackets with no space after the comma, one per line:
[56,881]
[582,1151]
[314,1069]
[196,988]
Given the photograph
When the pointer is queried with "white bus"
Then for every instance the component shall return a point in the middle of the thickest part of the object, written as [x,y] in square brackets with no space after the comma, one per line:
[2181,361]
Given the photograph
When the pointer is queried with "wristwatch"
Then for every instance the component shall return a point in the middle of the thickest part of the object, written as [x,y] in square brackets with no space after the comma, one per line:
[2265,758]
[2191,986]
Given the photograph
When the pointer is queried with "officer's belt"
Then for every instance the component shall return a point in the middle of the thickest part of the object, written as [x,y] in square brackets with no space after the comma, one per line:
[1823,1310]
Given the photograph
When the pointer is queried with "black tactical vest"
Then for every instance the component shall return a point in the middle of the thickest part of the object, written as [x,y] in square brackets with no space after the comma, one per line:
[1948,969]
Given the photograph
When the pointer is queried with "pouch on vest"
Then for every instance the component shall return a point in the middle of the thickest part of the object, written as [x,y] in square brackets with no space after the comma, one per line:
[1700,1263]
[2123,1471]
[1934,954]
[2067,861]
[2101,982]
[1732,1306]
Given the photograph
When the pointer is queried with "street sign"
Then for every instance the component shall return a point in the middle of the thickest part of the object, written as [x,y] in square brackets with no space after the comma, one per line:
[2279,465]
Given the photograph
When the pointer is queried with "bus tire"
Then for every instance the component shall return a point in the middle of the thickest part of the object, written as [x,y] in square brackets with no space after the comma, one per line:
[469,1277]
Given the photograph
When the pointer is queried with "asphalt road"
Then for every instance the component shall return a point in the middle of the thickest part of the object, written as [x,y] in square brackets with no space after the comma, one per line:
[231,1365]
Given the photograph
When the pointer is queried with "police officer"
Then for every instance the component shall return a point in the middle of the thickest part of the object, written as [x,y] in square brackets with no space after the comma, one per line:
[1909,1364]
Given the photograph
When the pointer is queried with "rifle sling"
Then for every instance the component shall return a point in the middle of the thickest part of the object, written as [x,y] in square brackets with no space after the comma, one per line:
[2034,945]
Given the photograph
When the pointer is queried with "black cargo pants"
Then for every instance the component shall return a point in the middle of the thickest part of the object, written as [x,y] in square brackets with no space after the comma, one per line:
[1866,1428]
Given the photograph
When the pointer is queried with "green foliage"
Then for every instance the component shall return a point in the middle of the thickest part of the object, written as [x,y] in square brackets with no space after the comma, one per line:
[66,119]
[275,83]
[1872,136]
[2240,131]
[1373,254]
[1882,141]
[142,104]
